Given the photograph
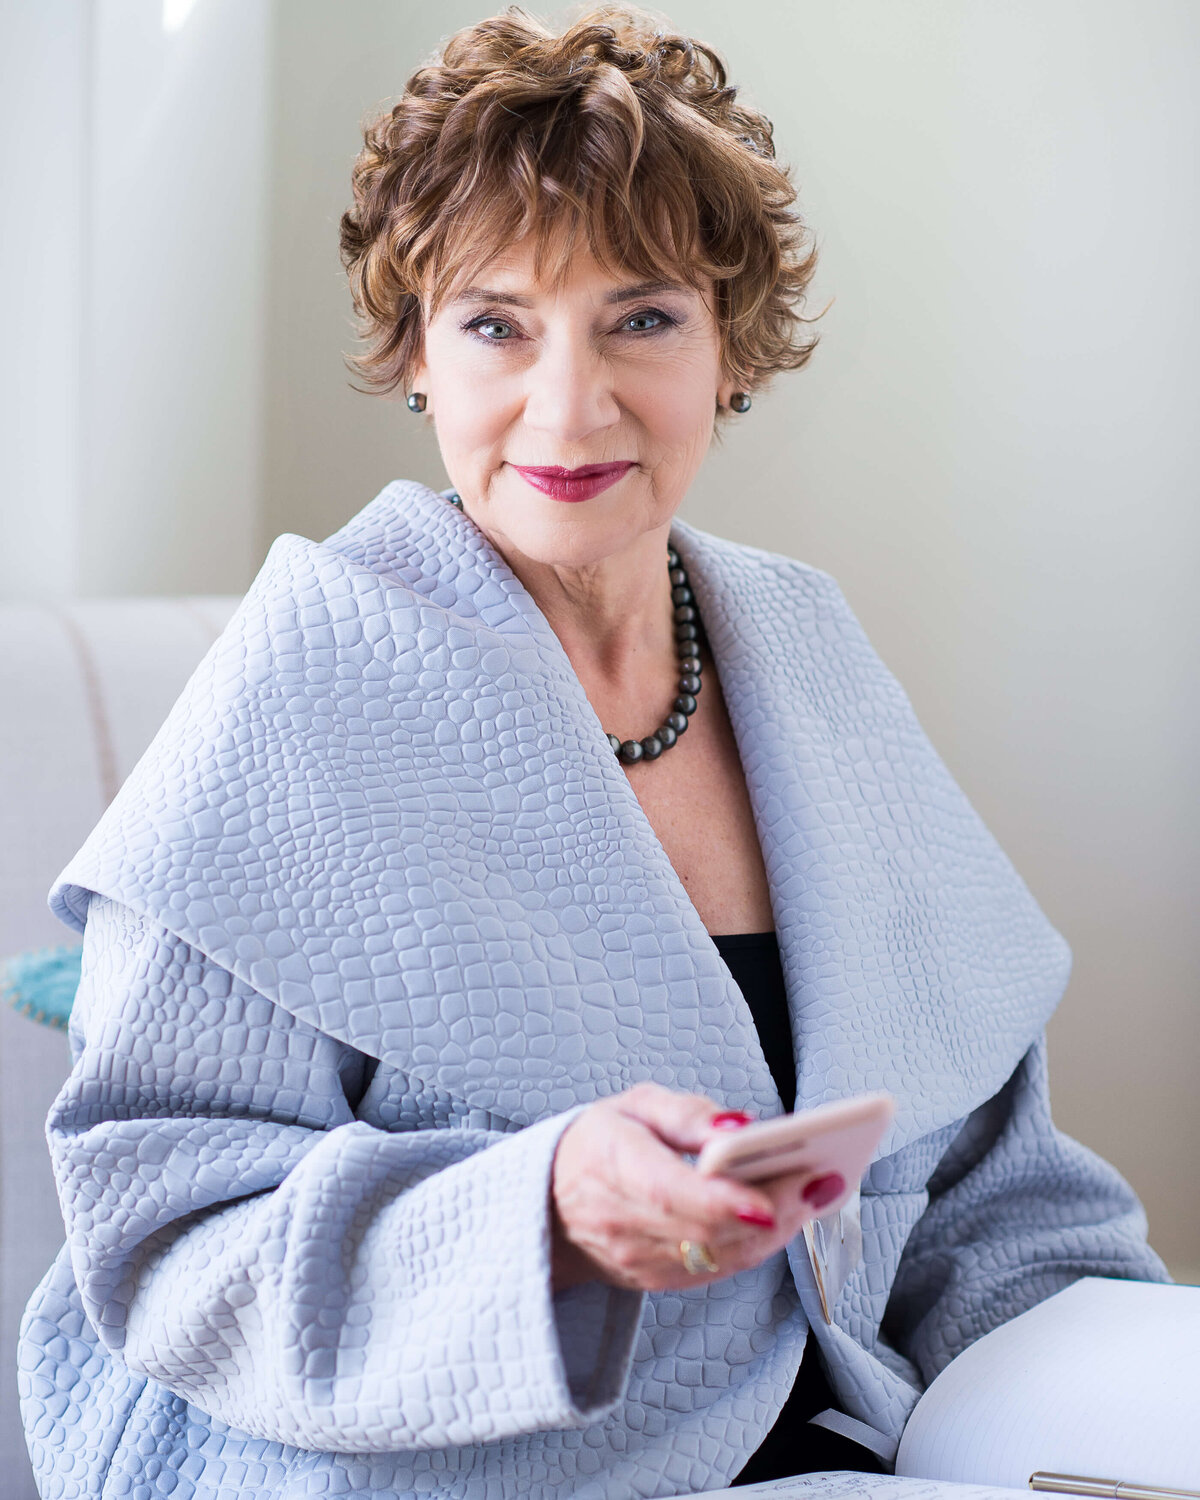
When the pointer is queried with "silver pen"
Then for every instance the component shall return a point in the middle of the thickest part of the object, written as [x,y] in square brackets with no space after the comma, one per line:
[816,1257]
[1108,1489]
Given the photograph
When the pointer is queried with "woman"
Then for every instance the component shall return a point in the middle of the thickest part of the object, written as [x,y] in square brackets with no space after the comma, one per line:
[503,851]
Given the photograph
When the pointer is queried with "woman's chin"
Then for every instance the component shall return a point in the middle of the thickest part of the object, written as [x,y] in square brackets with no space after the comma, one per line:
[568,534]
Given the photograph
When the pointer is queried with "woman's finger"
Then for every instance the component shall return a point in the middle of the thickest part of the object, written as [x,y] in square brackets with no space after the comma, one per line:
[683,1121]
[615,1181]
[668,1196]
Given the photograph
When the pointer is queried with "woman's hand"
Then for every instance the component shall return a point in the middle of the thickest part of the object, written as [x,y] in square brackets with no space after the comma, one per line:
[623,1199]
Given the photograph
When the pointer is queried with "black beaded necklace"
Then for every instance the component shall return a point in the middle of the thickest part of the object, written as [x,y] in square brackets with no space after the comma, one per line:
[687,649]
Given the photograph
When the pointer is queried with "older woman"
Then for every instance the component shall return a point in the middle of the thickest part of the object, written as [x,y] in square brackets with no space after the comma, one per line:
[509,844]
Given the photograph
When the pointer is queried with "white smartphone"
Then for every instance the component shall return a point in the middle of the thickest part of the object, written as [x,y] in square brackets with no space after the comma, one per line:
[839,1137]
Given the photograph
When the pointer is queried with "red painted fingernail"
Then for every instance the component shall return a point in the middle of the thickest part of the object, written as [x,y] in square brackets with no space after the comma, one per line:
[823,1190]
[731,1119]
[752,1216]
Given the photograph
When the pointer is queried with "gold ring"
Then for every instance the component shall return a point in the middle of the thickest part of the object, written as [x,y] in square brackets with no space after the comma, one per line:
[696,1258]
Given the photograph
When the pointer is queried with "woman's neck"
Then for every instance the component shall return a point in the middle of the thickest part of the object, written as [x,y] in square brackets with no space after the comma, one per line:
[615,621]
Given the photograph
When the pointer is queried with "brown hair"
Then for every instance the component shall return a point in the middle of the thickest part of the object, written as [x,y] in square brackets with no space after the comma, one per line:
[615,128]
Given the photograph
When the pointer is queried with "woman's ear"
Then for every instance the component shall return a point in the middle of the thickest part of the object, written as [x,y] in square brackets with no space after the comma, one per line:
[418,379]
[728,386]
[724,391]
[416,391]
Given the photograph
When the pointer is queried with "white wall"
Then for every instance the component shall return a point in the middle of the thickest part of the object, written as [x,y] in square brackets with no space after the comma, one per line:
[994,449]
[44,104]
[133,274]
[173,354]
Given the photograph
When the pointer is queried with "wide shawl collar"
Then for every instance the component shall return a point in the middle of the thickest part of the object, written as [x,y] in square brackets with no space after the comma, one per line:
[384,801]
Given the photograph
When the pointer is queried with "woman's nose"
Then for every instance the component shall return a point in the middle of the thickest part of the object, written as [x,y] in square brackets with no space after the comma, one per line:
[569,394]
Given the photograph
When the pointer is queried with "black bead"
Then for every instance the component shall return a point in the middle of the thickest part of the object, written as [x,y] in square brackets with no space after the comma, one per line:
[684,613]
[684,704]
[631,752]
[689,683]
[614,742]
[677,721]
[652,747]
[665,735]
[678,578]
[689,663]
[681,595]
[672,558]
[687,632]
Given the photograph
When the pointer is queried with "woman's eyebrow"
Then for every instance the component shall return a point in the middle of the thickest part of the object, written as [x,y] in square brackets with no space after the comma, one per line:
[483,294]
[621,294]
[645,289]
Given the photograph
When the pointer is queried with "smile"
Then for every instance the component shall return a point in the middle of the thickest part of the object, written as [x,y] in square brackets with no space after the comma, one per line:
[573,484]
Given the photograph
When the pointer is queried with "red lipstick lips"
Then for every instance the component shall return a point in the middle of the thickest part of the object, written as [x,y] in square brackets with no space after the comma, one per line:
[573,484]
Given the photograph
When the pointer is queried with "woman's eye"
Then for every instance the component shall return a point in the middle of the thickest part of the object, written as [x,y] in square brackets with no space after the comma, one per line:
[646,322]
[494,330]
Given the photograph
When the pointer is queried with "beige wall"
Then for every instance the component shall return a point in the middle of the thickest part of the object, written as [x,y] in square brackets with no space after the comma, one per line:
[993,450]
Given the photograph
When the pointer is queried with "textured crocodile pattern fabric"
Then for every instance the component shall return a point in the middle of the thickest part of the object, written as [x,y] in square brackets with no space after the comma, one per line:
[376,914]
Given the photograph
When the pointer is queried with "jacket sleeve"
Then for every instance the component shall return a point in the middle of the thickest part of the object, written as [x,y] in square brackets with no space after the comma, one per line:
[241,1238]
[1017,1211]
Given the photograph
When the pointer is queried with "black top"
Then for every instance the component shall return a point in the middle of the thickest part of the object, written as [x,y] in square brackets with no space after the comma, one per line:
[753,960]
[791,1446]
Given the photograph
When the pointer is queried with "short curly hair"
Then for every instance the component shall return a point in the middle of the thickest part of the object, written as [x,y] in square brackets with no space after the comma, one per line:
[615,129]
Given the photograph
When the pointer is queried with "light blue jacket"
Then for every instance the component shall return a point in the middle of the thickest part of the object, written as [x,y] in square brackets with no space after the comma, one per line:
[376,914]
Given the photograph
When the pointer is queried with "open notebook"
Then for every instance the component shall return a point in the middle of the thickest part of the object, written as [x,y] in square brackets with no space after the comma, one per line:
[1102,1381]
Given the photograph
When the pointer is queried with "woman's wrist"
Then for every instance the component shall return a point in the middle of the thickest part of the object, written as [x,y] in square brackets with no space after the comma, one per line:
[569,1265]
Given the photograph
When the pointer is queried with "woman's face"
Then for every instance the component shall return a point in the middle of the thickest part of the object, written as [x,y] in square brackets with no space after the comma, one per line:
[598,372]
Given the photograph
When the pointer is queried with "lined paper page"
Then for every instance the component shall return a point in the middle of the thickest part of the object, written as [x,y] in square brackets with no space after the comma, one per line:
[1101,1380]
[847,1486]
